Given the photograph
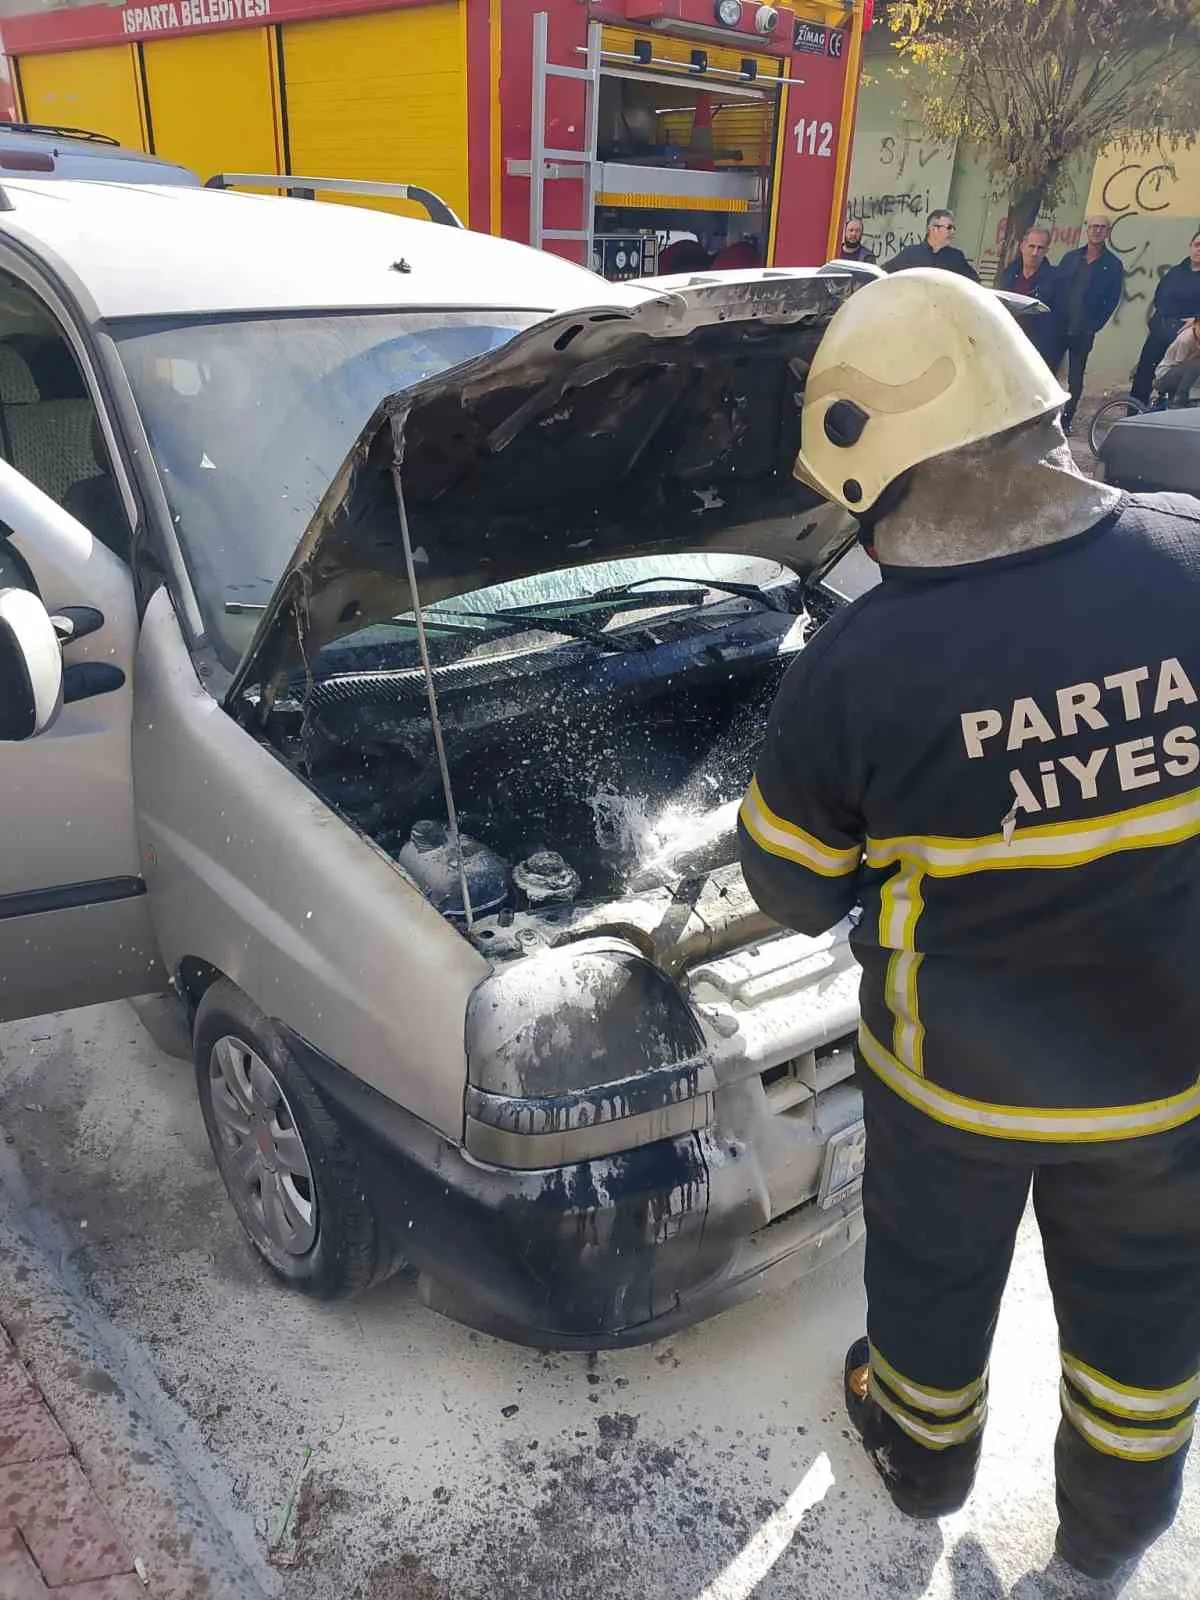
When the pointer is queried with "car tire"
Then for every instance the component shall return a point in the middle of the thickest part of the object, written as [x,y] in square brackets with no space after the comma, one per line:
[288,1168]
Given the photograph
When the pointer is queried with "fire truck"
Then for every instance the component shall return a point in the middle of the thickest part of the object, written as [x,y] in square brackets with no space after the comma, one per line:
[615,133]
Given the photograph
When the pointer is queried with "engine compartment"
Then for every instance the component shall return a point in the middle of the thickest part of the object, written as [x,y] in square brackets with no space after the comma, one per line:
[586,765]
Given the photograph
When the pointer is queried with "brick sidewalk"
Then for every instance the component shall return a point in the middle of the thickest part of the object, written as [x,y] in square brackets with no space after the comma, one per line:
[55,1536]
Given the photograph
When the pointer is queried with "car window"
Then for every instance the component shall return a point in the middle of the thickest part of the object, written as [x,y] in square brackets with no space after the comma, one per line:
[49,428]
[250,418]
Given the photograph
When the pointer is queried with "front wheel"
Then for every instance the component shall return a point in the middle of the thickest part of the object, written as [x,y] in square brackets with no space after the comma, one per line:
[1108,415]
[287,1166]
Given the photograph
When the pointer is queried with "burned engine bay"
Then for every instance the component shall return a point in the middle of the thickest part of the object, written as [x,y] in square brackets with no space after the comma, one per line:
[599,728]
[593,775]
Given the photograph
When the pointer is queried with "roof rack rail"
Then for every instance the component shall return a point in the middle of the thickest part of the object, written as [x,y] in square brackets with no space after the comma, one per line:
[54,128]
[306,189]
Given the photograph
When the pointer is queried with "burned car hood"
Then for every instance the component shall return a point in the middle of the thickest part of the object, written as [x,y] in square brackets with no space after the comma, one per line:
[599,433]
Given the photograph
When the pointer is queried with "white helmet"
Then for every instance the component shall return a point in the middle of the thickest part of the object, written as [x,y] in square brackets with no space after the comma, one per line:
[910,367]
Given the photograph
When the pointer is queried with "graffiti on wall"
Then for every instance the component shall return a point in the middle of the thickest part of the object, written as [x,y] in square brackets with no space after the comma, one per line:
[1153,201]
[1063,236]
[897,179]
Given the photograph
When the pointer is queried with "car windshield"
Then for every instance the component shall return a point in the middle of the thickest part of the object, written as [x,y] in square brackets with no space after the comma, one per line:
[250,417]
[602,604]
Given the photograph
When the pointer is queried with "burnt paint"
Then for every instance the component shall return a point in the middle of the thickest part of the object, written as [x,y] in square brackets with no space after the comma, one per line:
[598,1104]
[594,1255]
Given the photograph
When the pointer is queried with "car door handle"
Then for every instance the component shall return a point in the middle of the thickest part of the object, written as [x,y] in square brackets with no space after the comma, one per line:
[83,680]
[76,622]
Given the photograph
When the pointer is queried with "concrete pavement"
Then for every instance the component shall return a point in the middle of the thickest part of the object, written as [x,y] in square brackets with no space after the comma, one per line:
[373,1451]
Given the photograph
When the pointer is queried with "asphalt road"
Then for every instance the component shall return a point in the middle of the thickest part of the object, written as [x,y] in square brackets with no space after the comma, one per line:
[421,1461]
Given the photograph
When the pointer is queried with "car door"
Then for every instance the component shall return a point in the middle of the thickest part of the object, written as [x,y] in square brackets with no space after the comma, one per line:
[74,921]
[74,924]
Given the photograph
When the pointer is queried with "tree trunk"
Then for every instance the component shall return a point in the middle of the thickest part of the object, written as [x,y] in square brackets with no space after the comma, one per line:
[1023,209]
[1024,204]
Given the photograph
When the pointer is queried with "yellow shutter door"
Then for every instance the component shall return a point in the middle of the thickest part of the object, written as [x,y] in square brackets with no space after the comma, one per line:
[212,101]
[381,97]
[92,89]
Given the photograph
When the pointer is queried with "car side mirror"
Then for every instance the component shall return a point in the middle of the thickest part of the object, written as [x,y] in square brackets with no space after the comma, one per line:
[31,668]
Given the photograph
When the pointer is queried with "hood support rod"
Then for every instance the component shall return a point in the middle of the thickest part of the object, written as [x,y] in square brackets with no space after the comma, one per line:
[434,715]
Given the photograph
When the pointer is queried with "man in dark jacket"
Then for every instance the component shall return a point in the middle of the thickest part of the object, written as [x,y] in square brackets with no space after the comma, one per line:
[1176,299]
[1030,273]
[936,250]
[852,246]
[1088,290]
[994,755]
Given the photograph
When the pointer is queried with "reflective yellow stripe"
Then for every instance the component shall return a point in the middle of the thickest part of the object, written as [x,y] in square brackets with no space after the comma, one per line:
[1043,1124]
[1123,1401]
[1053,844]
[778,837]
[908,1033]
[939,1402]
[900,906]
[1131,1444]
[933,1435]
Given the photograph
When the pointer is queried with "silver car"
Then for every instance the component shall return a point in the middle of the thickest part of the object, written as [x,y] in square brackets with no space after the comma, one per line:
[421,599]
[40,150]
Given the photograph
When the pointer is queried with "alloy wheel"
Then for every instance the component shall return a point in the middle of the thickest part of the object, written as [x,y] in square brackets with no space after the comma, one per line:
[263,1159]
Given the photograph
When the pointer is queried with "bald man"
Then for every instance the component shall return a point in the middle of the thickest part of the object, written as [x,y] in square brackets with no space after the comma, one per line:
[1088,287]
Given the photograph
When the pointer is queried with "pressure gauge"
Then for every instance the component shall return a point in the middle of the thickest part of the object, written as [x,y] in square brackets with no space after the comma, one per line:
[729,13]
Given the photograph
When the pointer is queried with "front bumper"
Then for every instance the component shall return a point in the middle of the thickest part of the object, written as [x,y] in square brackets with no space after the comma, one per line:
[609,1252]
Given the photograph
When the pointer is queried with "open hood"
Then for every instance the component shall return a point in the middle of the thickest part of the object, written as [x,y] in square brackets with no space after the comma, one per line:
[598,434]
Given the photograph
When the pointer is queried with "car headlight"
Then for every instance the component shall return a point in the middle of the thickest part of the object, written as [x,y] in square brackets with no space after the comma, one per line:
[580,1052]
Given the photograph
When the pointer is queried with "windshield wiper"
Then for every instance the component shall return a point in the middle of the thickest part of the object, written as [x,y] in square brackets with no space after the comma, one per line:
[744,591]
[516,619]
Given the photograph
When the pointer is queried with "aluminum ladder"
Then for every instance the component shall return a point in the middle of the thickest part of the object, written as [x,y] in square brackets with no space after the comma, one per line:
[546,162]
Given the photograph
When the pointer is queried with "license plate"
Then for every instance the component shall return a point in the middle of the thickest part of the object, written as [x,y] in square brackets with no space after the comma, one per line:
[845,1157]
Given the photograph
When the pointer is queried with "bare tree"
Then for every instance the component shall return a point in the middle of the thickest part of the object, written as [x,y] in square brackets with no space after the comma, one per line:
[1039,83]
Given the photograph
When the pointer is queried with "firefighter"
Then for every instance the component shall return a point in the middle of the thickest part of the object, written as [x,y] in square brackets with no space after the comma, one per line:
[994,755]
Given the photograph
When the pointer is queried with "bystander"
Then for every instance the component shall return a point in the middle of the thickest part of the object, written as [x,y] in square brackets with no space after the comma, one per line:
[1087,291]
[1176,298]
[1179,368]
[1030,273]
[935,250]
[853,248]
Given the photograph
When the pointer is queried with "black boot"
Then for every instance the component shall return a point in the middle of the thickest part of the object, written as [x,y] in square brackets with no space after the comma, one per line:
[1108,1576]
[925,1484]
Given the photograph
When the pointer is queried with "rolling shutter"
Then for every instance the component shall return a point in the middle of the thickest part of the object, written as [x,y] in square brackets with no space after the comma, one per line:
[92,89]
[381,97]
[212,101]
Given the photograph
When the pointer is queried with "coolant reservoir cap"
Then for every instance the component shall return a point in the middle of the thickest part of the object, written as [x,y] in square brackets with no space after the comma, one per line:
[545,878]
[429,835]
